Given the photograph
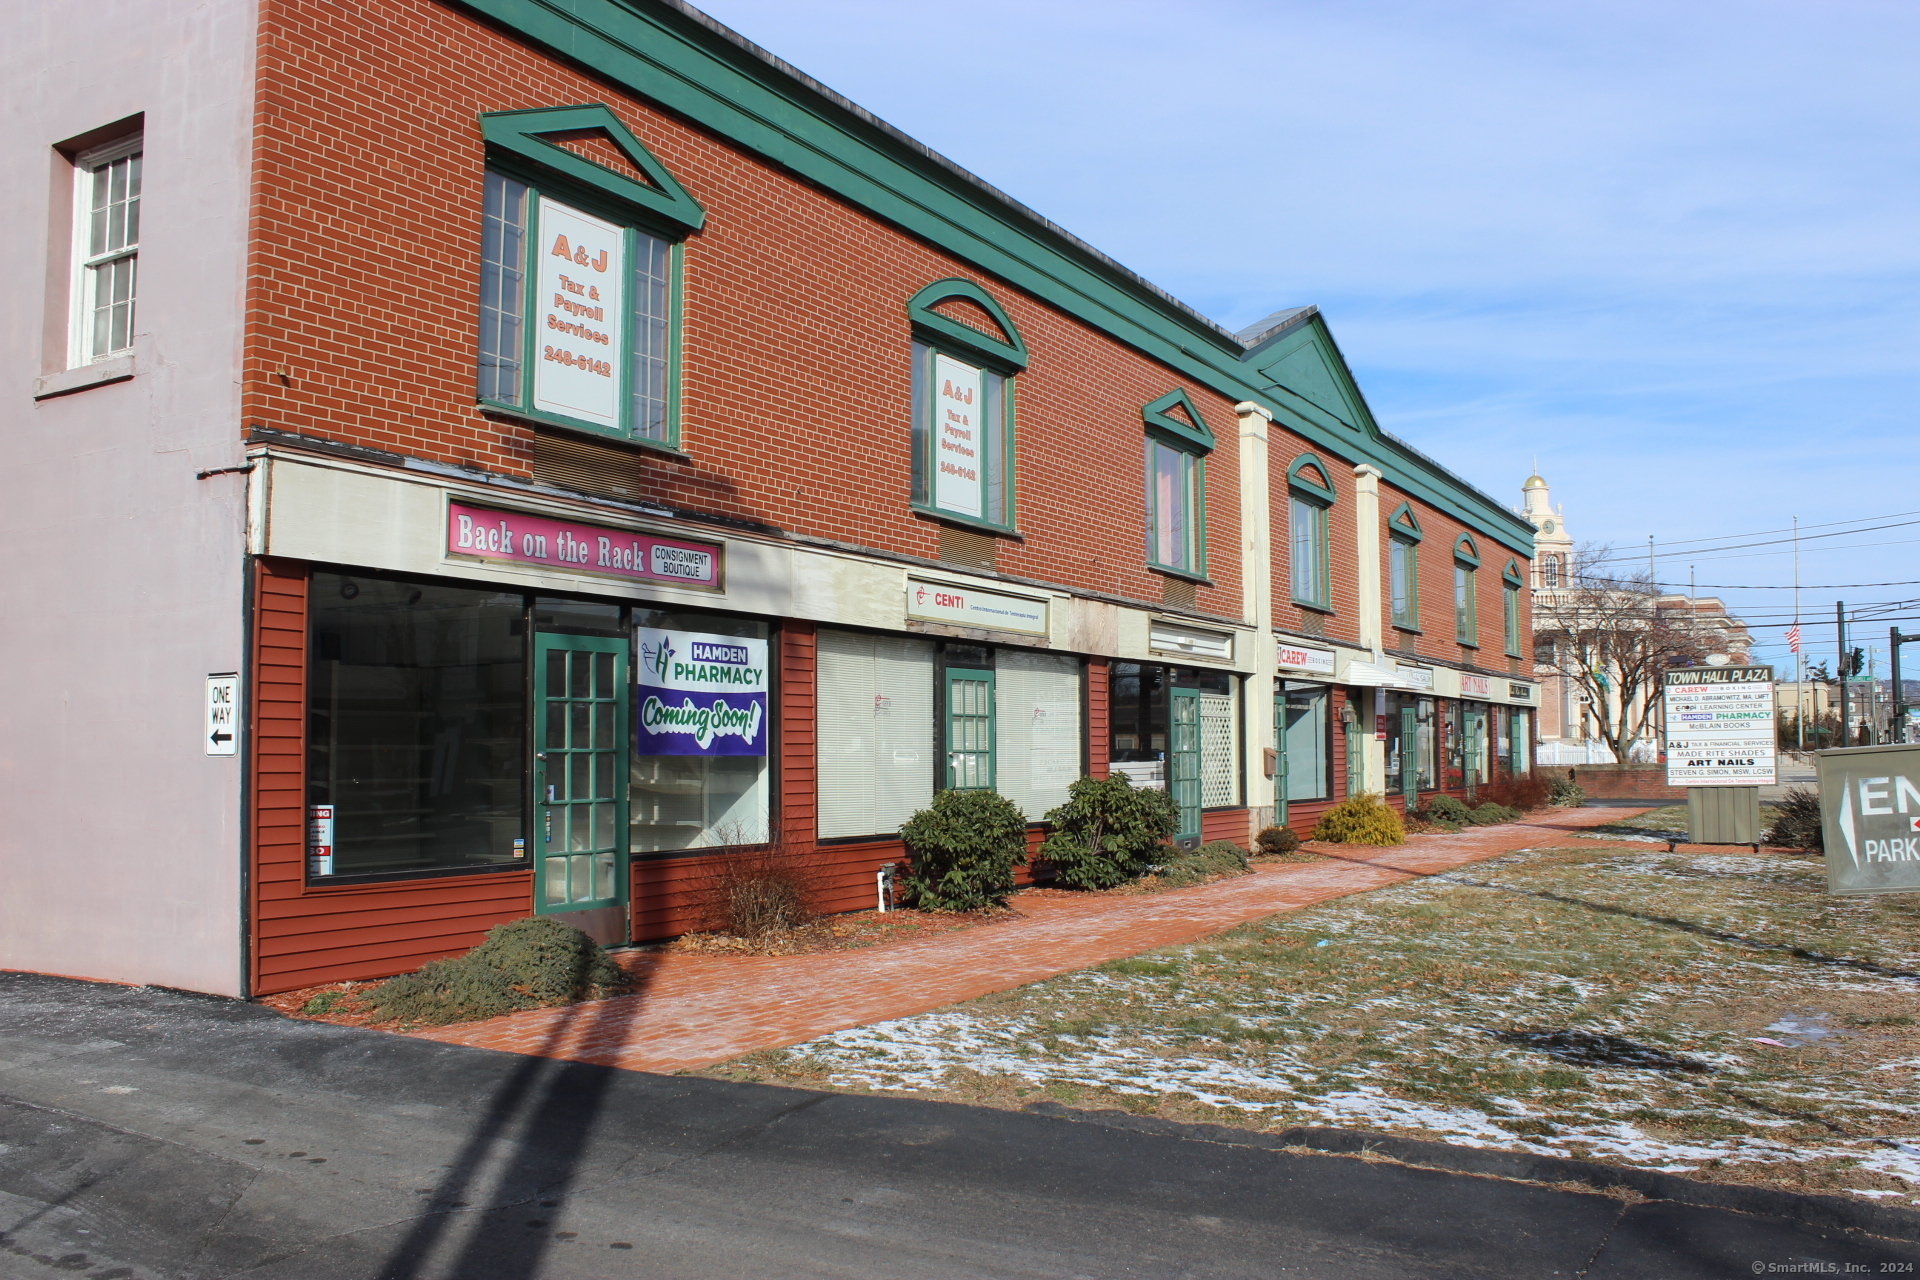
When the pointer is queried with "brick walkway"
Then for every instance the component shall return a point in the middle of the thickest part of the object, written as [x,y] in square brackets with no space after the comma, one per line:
[696,1010]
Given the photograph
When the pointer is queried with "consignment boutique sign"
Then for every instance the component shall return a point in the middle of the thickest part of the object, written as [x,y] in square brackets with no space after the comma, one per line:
[513,537]
[700,695]
[1719,727]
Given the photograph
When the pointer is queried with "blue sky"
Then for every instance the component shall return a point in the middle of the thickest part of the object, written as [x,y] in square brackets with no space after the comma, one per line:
[1673,249]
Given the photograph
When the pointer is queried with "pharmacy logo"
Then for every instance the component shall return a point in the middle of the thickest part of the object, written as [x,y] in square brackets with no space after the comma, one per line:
[658,656]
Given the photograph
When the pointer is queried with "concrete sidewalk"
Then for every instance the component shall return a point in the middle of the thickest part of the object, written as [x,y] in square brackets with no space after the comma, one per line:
[696,1010]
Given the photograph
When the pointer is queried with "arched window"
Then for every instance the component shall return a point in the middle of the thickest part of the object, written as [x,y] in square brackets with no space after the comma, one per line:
[963,406]
[1310,497]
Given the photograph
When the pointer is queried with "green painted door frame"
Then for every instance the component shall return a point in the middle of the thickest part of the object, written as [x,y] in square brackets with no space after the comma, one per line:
[579,772]
[1279,758]
[1410,757]
[1183,761]
[970,729]
[1473,722]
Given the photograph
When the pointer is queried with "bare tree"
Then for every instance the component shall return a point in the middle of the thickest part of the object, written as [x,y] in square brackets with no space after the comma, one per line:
[1609,634]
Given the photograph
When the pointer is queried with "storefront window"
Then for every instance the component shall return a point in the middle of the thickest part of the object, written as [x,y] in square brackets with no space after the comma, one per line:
[416,722]
[1475,746]
[1037,720]
[702,722]
[1307,740]
[875,732]
[1177,727]
[1139,711]
[1412,742]
[1453,766]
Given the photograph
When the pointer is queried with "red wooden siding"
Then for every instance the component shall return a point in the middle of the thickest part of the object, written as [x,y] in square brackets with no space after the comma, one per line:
[1225,824]
[303,936]
[1099,717]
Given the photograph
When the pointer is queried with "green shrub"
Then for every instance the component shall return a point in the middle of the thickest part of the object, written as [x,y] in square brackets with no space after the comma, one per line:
[965,846]
[1565,792]
[1446,809]
[1492,815]
[1361,819]
[1275,841]
[1796,822]
[1214,858]
[523,964]
[1108,832]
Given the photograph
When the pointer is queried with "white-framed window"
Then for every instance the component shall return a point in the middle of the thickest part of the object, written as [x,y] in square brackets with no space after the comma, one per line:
[106,250]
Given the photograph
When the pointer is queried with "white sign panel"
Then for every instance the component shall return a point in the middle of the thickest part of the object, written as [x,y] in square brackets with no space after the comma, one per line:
[1720,730]
[221,737]
[1192,642]
[957,402]
[1294,657]
[971,607]
[1415,677]
[580,302]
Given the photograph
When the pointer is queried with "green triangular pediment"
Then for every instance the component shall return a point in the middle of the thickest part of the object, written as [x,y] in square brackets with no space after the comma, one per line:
[1175,416]
[524,135]
[1405,523]
[1306,372]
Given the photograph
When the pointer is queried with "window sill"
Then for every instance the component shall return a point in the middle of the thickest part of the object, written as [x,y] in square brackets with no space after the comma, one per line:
[377,879]
[1184,575]
[494,409]
[1409,630]
[98,374]
[967,522]
[1314,605]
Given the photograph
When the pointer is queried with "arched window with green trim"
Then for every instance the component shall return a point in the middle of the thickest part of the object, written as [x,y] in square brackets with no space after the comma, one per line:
[1403,566]
[1466,591]
[579,274]
[1511,581]
[1177,443]
[1310,499]
[963,406]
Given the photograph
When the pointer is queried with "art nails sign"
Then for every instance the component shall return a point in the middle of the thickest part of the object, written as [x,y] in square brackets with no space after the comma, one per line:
[700,695]
[513,537]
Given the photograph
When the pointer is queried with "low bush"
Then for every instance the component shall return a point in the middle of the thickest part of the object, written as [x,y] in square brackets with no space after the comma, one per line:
[1274,841]
[1796,823]
[1564,792]
[1108,832]
[1361,819]
[764,890]
[1524,793]
[1492,815]
[1214,858]
[965,846]
[523,964]
[1445,809]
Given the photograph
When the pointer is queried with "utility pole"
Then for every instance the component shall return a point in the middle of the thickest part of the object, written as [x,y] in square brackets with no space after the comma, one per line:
[1840,625]
[1899,718]
[1799,658]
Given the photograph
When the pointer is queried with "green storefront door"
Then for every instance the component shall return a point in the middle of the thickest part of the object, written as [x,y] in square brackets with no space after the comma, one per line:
[1410,757]
[969,730]
[580,774]
[1280,759]
[1473,721]
[1183,761]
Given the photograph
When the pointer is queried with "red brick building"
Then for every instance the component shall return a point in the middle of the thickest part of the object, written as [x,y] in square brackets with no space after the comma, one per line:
[574,448]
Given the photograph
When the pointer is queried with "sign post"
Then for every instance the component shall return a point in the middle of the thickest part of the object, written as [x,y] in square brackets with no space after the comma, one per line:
[1721,744]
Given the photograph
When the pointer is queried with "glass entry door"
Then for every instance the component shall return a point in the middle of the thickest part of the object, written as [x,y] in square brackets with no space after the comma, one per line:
[1184,761]
[1411,757]
[579,773]
[1473,721]
[1280,792]
[969,730]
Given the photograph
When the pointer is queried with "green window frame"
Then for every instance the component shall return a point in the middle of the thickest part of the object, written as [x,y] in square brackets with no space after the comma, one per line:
[545,369]
[1310,500]
[962,440]
[1466,592]
[1177,444]
[1403,567]
[1511,580]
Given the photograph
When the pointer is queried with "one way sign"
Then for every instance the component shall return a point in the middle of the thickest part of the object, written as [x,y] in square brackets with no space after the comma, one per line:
[223,715]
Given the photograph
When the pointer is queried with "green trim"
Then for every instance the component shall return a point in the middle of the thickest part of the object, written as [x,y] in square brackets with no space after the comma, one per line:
[501,408]
[1510,615]
[1011,354]
[1466,617]
[1312,488]
[1197,489]
[555,756]
[1322,509]
[676,328]
[1511,574]
[1467,550]
[682,62]
[1178,432]
[661,195]
[1403,523]
[1409,619]
[971,522]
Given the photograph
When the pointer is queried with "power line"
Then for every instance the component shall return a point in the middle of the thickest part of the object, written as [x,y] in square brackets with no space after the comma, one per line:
[1761,533]
[1732,586]
[1739,546]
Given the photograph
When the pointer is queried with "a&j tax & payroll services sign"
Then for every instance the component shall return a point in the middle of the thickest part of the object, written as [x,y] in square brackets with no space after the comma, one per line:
[1870,818]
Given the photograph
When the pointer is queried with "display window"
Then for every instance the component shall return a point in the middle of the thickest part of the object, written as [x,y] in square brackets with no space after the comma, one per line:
[900,718]
[1413,738]
[454,729]
[1304,733]
[1177,728]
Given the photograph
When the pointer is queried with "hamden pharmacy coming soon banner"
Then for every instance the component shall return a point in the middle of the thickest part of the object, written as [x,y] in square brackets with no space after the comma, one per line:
[700,695]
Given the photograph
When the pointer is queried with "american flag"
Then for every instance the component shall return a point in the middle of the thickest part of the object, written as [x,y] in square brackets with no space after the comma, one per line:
[1793,638]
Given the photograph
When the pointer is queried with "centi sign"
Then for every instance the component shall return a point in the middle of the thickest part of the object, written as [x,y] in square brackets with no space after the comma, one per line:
[514,537]
[1870,818]
[700,694]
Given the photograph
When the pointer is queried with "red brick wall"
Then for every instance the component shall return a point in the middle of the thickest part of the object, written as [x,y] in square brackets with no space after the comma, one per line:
[362,310]
[1284,449]
[1436,639]
[1624,782]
